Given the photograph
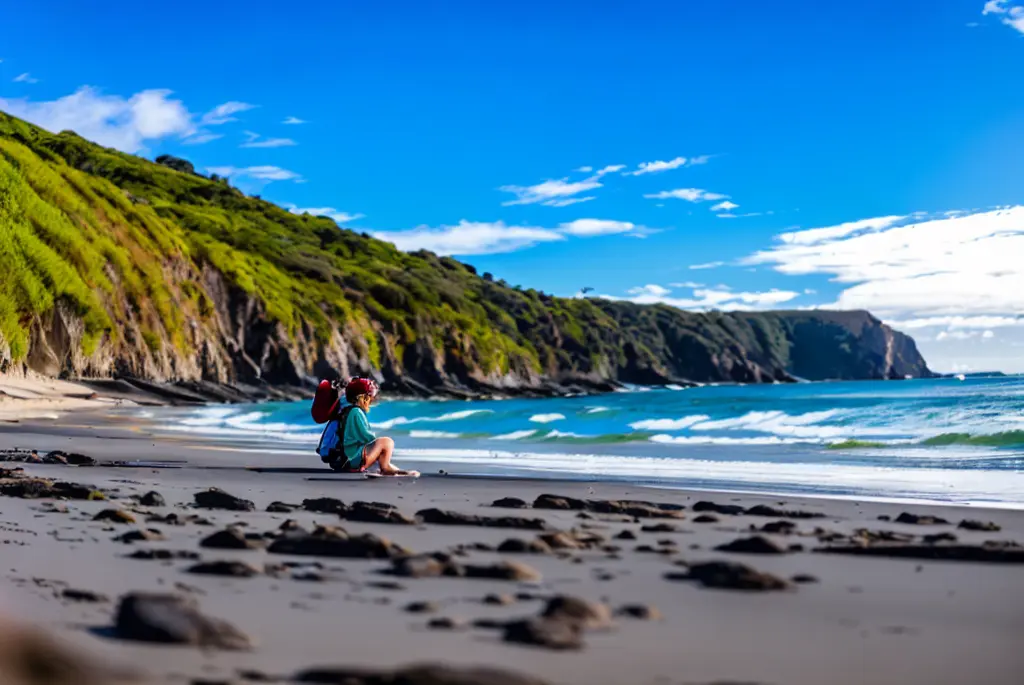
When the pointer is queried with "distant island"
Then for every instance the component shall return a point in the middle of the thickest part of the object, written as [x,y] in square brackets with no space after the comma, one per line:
[149,274]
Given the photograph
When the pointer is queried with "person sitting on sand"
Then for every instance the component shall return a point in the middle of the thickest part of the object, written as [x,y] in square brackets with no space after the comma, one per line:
[360,448]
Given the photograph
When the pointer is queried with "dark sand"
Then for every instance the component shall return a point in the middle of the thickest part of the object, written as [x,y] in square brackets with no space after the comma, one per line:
[868,619]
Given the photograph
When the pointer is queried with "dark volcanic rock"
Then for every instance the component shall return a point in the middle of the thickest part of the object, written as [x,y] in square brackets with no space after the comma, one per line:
[706,518]
[234,569]
[635,508]
[996,553]
[540,632]
[163,554]
[752,545]
[215,498]
[40,488]
[643,612]
[498,599]
[510,503]
[171,619]
[72,458]
[503,570]
[454,518]
[376,512]
[422,607]
[229,538]
[971,524]
[140,535]
[152,499]
[425,674]
[765,510]
[728,509]
[448,623]
[557,502]
[938,537]
[87,596]
[334,542]
[804,578]
[114,516]
[575,609]
[518,546]
[325,505]
[731,576]
[282,508]
[426,566]
[906,517]
[659,528]
[625,534]
[784,527]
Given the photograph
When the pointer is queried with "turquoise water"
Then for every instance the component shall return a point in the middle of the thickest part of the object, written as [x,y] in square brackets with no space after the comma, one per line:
[940,440]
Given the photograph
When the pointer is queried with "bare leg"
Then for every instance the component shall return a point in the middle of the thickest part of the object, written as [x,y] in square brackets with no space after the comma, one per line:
[379,452]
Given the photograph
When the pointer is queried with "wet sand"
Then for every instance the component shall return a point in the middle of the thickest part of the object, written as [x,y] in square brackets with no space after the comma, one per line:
[804,616]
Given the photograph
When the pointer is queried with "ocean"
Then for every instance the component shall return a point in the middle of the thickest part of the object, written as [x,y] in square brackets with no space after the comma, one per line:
[937,440]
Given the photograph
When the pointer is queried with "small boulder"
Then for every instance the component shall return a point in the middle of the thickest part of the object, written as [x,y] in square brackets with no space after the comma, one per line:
[752,545]
[282,508]
[587,614]
[172,619]
[233,569]
[215,498]
[519,546]
[114,516]
[540,632]
[641,612]
[557,502]
[971,524]
[152,499]
[728,509]
[916,519]
[731,576]
[510,503]
[229,538]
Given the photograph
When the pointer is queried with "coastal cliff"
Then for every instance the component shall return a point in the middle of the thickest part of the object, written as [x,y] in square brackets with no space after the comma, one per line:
[116,267]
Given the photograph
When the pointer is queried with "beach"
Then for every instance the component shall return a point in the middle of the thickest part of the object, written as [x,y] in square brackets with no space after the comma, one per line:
[620,574]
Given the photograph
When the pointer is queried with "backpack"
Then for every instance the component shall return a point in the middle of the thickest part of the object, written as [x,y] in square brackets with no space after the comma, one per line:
[331,447]
[325,402]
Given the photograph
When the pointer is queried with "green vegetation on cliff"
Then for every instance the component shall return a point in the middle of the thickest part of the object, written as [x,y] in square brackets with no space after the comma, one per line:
[116,264]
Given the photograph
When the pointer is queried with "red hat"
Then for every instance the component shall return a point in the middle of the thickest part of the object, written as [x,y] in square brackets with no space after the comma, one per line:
[360,386]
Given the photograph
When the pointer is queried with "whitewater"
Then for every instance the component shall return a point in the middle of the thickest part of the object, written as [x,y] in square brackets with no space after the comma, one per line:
[936,440]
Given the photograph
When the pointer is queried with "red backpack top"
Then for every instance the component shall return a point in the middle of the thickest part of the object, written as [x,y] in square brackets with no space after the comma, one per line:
[325,402]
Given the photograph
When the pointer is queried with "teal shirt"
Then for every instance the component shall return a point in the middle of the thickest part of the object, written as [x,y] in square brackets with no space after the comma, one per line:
[357,435]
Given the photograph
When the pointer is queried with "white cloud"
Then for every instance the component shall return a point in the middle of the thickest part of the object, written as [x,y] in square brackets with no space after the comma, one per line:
[584,169]
[707,265]
[956,322]
[259,173]
[988,334]
[593,227]
[552,193]
[724,206]
[222,114]
[267,142]
[688,194]
[339,217]
[569,201]
[1011,15]
[687,284]
[470,238]
[25,78]
[201,137]
[719,297]
[110,120]
[610,169]
[815,236]
[294,121]
[659,166]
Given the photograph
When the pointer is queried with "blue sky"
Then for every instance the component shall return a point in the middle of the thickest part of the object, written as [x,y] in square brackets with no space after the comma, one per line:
[512,136]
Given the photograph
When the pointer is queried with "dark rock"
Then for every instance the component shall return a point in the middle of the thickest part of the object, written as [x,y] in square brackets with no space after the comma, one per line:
[804,578]
[795,547]
[560,540]
[938,537]
[636,509]
[784,527]
[728,509]
[906,517]
[706,518]
[765,510]
[426,566]
[448,623]
[422,607]
[291,526]
[990,553]
[72,458]
[659,528]
[334,542]
[518,546]
[215,498]
[557,502]
[539,632]
[229,538]
[453,518]
[325,505]
[40,488]
[752,545]
[577,610]
[425,674]
[731,576]
[171,619]
[234,569]
[170,519]
[282,508]
[510,503]
[971,524]
[163,554]
[114,516]
[625,535]
[885,517]
[140,535]
[498,599]
[643,612]
[87,596]
[376,512]
[152,499]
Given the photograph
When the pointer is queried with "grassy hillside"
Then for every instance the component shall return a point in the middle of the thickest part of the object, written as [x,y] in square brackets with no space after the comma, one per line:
[114,264]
